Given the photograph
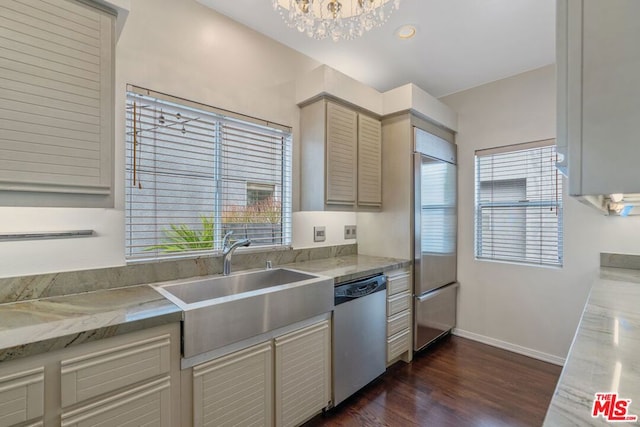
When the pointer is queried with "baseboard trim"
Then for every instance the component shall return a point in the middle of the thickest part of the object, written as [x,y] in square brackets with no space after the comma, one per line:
[535,354]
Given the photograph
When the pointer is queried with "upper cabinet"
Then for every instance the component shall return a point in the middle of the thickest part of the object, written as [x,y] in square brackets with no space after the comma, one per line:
[598,62]
[341,165]
[56,103]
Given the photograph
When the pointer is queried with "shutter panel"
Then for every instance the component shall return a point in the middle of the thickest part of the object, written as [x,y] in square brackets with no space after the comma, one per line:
[56,97]
[341,153]
[369,161]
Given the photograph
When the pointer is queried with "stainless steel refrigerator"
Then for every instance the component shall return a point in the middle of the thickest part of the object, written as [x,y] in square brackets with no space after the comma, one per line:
[435,224]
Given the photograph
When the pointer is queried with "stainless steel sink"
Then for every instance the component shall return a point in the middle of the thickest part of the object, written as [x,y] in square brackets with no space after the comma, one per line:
[221,310]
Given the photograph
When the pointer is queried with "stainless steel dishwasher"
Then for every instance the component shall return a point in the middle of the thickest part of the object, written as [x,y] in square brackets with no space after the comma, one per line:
[359,335]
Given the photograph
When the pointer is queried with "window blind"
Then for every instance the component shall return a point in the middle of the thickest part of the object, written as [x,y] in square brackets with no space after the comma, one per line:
[518,205]
[56,97]
[191,175]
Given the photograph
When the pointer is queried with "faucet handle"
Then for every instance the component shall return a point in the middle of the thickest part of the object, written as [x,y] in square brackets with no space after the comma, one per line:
[225,239]
[268,265]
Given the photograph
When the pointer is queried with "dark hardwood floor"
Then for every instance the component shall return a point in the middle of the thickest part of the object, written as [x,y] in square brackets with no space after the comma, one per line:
[457,382]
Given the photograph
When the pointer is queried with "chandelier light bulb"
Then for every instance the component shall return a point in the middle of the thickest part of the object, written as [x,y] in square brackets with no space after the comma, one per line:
[336,19]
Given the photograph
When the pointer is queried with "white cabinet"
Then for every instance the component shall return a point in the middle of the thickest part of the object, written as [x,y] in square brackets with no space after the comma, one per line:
[598,62]
[369,161]
[127,380]
[341,158]
[399,319]
[303,374]
[235,390]
[284,381]
[21,394]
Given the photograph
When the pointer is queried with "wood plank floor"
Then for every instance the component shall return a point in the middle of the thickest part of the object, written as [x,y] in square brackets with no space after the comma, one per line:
[457,382]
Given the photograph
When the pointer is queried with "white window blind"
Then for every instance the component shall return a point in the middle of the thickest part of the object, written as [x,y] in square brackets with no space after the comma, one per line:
[188,171]
[519,204]
[56,97]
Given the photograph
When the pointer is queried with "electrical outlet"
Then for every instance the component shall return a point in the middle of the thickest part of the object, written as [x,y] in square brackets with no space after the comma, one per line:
[349,232]
[319,234]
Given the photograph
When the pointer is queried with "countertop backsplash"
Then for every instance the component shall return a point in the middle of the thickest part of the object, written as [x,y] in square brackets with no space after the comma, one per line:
[620,261]
[23,288]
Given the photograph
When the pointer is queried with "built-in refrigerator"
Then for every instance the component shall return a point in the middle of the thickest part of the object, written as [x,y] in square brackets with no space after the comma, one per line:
[435,225]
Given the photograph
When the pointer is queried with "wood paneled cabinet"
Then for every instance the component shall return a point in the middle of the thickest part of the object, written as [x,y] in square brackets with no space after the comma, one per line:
[281,382]
[128,380]
[341,158]
[598,69]
[399,316]
[22,393]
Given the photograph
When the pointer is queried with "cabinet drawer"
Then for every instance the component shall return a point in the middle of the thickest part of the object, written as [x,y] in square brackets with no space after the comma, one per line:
[398,323]
[101,372]
[398,284]
[398,303]
[397,345]
[149,405]
[21,396]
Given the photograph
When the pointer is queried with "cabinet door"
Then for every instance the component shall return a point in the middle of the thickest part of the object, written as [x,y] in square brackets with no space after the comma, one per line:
[369,161]
[145,405]
[21,395]
[235,390]
[105,370]
[303,374]
[341,155]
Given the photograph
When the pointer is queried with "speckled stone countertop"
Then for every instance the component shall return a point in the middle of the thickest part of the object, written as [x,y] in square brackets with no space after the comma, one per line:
[605,354]
[41,325]
[349,267]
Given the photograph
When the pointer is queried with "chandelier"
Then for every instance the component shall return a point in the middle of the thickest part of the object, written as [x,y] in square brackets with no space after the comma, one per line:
[337,19]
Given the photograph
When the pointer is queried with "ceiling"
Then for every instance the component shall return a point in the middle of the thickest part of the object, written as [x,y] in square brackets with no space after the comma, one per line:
[459,44]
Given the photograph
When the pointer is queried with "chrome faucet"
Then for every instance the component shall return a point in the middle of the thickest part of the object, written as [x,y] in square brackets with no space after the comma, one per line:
[228,250]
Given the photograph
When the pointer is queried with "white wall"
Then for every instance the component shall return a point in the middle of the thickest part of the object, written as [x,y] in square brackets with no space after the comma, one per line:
[534,310]
[334,222]
[184,49]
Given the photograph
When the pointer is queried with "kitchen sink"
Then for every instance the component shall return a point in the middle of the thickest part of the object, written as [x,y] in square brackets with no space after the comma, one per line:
[222,310]
[223,286]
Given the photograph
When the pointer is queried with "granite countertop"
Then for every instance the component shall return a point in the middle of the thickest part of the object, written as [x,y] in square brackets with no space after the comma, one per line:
[605,354]
[40,325]
[43,325]
[349,267]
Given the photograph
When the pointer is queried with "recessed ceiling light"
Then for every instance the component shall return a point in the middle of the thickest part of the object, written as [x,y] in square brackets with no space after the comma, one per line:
[406,32]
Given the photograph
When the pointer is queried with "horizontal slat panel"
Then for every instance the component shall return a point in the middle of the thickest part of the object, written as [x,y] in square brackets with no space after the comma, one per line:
[519,206]
[93,374]
[192,163]
[398,303]
[21,396]
[49,27]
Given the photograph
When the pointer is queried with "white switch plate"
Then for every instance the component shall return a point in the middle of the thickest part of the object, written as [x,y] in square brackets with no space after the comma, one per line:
[349,232]
[319,233]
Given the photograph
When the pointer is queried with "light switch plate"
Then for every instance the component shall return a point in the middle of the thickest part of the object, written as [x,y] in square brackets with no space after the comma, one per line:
[349,232]
[319,234]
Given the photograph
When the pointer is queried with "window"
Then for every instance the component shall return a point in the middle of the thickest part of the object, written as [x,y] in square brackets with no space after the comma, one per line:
[519,204]
[194,173]
[257,193]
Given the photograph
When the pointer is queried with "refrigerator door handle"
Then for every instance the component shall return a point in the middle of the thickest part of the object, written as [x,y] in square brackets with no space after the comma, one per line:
[437,292]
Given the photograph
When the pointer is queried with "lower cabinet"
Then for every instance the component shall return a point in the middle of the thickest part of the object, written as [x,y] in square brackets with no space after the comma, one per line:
[127,380]
[21,395]
[235,390]
[303,374]
[399,316]
[283,382]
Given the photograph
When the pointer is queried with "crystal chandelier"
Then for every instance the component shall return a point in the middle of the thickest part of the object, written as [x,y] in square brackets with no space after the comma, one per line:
[338,19]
